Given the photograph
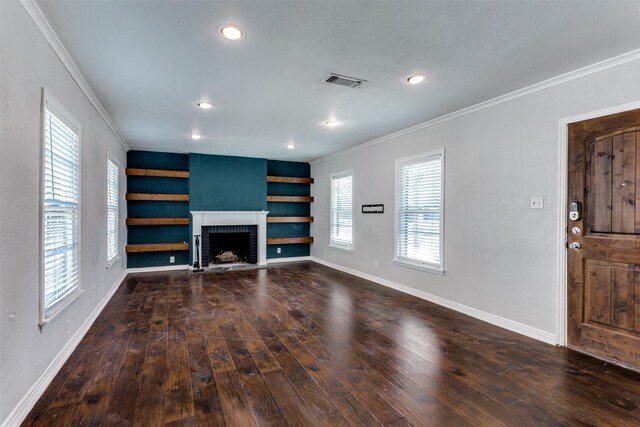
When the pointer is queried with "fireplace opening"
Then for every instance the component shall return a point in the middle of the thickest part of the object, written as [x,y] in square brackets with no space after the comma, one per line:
[229,245]
[229,248]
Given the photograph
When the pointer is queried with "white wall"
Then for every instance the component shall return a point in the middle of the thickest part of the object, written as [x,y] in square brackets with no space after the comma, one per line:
[28,63]
[500,256]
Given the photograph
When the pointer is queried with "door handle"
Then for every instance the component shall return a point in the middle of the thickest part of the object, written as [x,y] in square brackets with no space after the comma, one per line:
[575,246]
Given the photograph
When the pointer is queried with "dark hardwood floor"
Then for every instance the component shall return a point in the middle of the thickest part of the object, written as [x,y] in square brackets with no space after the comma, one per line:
[304,345]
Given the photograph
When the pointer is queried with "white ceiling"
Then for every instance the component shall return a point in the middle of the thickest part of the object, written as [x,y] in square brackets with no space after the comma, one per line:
[150,62]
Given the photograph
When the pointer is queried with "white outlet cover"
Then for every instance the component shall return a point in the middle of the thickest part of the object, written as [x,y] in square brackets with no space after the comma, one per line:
[537,202]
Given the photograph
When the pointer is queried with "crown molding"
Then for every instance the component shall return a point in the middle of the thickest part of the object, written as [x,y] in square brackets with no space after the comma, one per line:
[47,31]
[631,56]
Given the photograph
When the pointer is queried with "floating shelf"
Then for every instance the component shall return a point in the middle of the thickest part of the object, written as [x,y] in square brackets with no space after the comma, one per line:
[300,199]
[290,179]
[158,197]
[301,207]
[157,221]
[288,240]
[158,173]
[157,247]
[289,219]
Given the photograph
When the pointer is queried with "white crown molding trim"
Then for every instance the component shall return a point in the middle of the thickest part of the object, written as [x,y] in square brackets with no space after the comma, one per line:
[28,401]
[47,31]
[288,259]
[200,150]
[631,56]
[160,268]
[502,322]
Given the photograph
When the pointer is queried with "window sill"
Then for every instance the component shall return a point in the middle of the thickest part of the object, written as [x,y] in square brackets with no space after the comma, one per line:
[341,248]
[418,266]
[49,318]
[112,261]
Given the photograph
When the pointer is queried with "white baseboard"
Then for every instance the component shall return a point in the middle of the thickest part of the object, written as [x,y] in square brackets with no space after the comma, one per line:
[509,324]
[160,268]
[28,401]
[186,267]
[289,259]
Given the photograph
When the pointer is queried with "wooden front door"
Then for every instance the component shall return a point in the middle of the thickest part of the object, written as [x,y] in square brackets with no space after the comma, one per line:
[604,243]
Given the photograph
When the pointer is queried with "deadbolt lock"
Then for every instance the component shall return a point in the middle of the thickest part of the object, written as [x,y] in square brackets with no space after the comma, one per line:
[574,211]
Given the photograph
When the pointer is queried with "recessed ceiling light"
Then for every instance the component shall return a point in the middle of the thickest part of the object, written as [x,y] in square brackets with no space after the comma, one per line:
[230,32]
[291,146]
[414,80]
[332,123]
[205,105]
[195,136]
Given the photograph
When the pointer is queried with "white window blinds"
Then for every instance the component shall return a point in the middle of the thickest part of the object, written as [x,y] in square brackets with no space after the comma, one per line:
[342,211]
[419,210]
[112,209]
[61,208]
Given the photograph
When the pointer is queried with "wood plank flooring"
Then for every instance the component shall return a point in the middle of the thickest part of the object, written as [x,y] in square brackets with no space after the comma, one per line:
[304,345]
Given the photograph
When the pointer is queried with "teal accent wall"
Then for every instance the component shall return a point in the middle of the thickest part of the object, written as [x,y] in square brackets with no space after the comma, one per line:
[152,209]
[217,183]
[156,160]
[297,169]
[282,168]
[227,183]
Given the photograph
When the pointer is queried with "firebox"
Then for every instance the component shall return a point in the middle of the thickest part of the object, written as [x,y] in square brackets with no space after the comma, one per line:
[229,244]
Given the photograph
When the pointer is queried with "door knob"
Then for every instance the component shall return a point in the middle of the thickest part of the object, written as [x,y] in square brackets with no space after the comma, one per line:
[575,246]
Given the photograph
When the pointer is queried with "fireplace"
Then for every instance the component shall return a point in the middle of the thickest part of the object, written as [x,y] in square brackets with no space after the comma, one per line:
[229,244]
[203,220]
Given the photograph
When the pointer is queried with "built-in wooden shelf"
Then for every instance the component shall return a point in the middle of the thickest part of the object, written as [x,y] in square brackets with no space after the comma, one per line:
[288,240]
[157,221]
[289,219]
[301,199]
[290,179]
[158,197]
[158,173]
[157,247]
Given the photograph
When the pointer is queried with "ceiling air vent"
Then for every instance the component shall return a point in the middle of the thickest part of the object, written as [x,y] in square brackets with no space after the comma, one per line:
[336,79]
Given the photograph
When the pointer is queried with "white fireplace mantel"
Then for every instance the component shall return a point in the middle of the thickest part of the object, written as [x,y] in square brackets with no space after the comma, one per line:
[209,218]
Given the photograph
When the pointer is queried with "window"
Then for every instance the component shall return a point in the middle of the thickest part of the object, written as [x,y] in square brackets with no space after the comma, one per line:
[60,208]
[112,209]
[419,201]
[342,211]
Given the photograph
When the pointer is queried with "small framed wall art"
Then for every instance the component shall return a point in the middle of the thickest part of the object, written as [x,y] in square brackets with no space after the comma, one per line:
[370,209]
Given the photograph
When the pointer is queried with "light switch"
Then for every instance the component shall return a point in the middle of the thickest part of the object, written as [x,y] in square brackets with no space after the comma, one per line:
[537,203]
